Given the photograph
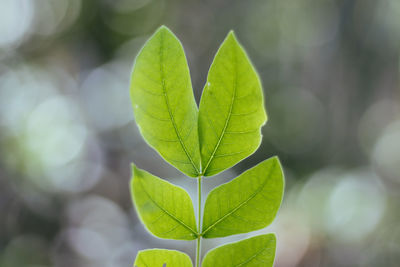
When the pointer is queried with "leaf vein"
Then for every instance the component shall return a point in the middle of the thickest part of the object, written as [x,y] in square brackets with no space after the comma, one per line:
[166,211]
[169,108]
[241,204]
[228,118]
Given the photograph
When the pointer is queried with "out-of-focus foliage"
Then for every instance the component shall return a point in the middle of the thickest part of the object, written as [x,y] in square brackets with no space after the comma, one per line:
[330,71]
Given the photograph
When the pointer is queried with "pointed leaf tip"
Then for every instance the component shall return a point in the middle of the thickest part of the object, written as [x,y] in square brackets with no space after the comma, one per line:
[275,159]
[231,33]
[163,28]
[133,167]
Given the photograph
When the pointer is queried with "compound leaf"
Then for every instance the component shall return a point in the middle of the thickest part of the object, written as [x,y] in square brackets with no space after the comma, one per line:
[257,251]
[247,203]
[231,109]
[162,258]
[163,101]
[165,209]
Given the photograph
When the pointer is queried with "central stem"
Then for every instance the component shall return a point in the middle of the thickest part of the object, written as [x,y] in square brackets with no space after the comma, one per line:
[198,246]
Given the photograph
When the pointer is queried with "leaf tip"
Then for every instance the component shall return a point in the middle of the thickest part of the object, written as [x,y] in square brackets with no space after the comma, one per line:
[135,173]
[163,30]
[231,36]
[278,164]
[272,236]
[133,168]
[275,159]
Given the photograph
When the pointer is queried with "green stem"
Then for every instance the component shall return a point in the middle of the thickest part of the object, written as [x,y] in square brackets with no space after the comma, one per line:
[198,246]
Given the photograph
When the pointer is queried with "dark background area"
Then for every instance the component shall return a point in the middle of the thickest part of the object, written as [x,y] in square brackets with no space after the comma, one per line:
[330,73]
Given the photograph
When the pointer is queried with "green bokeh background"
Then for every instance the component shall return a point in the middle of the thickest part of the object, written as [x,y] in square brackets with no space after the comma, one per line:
[330,72]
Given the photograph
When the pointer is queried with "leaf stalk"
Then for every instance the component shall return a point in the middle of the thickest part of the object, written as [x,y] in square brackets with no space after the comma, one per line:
[198,244]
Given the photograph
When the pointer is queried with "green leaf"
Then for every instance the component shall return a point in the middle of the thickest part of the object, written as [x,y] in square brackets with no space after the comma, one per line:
[252,252]
[231,109]
[247,203]
[165,209]
[161,258]
[163,101]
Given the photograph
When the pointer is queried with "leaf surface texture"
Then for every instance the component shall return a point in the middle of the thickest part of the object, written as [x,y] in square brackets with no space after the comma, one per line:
[247,203]
[161,258]
[165,209]
[258,251]
[163,102]
[231,109]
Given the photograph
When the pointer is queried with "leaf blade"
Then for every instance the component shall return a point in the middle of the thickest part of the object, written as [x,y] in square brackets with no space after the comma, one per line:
[231,115]
[162,257]
[163,101]
[165,209]
[247,203]
[251,252]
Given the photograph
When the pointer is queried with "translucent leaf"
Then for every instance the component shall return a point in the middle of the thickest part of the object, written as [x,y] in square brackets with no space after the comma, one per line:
[165,209]
[163,101]
[162,258]
[247,203]
[257,251]
[231,109]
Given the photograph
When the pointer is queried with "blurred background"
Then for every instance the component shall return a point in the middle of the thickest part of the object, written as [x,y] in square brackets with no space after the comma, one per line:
[330,71]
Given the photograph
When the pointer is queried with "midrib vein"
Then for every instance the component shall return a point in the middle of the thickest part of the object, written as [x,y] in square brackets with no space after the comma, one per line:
[240,205]
[161,54]
[166,211]
[227,119]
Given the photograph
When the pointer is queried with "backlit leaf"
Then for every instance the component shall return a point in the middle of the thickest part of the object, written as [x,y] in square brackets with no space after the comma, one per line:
[231,109]
[165,209]
[258,251]
[247,203]
[162,258]
[163,101]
